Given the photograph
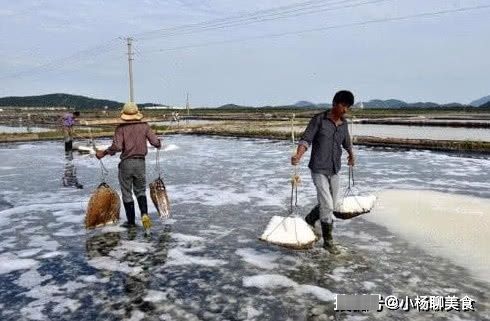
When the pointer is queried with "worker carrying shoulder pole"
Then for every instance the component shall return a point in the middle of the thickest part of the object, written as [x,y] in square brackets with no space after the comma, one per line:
[130,139]
[68,120]
[327,132]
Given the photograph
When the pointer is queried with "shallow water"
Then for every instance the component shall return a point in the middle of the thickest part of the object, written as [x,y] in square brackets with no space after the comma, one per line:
[420,132]
[206,263]
[413,132]
[186,121]
[23,129]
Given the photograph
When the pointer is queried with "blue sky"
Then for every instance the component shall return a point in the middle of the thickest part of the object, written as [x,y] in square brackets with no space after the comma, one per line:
[441,58]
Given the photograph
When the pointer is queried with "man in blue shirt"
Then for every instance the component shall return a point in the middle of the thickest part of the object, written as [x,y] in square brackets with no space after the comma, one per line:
[327,133]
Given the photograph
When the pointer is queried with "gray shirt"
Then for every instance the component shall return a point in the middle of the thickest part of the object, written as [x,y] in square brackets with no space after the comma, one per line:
[327,140]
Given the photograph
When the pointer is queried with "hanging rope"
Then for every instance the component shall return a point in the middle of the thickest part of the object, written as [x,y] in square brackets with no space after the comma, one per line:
[158,163]
[295,179]
[103,170]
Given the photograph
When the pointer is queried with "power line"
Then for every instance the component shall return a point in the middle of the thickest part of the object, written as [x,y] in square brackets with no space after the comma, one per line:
[257,17]
[74,58]
[339,26]
[293,10]
[113,43]
[143,35]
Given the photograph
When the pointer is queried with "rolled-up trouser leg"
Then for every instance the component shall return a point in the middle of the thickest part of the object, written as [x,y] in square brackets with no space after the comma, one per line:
[324,187]
[334,181]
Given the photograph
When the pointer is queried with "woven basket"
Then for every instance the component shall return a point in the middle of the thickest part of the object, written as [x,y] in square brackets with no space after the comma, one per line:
[315,213]
[103,207]
[346,216]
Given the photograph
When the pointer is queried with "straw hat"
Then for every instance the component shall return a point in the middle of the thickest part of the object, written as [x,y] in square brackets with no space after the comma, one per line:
[130,112]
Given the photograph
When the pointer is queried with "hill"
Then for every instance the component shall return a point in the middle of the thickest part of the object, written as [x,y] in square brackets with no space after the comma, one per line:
[59,100]
[83,102]
[486,105]
[394,103]
[481,101]
[390,103]
[304,103]
[232,106]
[63,100]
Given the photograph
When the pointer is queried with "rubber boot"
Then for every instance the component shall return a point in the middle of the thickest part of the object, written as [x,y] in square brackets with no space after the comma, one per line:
[130,216]
[68,146]
[327,229]
[145,219]
[313,216]
[142,205]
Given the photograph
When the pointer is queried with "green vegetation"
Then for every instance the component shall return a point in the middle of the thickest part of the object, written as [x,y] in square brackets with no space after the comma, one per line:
[63,100]
[58,100]
[373,107]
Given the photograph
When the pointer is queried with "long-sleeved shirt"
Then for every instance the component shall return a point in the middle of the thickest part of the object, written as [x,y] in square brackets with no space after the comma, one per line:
[130,139]
[68,120]
[327,140]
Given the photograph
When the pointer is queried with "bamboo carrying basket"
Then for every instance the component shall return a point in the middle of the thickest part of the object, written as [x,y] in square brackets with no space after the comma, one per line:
[353,203]
[158,192]
[103,207]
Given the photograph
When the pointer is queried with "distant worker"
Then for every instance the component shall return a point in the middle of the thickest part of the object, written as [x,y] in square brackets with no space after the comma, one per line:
[177,118]
[67,122]
[130,139]
[327,133]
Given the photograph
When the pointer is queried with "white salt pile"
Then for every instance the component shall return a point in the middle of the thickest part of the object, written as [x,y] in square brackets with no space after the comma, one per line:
[289,231]
[449,225]
[356,204]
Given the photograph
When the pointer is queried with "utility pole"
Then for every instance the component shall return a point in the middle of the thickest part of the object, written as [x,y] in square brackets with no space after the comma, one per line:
[130,64]
[187,108]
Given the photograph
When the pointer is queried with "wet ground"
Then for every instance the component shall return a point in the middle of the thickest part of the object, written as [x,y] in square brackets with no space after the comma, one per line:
[206,263]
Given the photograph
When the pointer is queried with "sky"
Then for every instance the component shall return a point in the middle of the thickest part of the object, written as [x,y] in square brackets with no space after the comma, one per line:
[247,52]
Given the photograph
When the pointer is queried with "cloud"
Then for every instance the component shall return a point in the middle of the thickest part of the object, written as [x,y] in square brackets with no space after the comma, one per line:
[262,71]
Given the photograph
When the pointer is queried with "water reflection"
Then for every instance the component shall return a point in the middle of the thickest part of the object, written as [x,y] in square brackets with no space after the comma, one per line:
[70,172]
[130,258]
[101,245]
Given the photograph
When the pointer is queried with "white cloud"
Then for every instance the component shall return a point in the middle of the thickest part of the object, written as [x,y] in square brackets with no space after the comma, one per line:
[378,60]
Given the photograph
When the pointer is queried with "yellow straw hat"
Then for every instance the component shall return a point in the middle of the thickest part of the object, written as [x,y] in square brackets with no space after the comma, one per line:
[130,112]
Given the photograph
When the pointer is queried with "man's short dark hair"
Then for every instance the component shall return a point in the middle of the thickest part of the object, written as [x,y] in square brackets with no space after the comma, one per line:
[344,97]
[76,113]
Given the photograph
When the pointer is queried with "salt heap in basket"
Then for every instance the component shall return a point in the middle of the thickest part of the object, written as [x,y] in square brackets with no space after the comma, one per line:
[292,232]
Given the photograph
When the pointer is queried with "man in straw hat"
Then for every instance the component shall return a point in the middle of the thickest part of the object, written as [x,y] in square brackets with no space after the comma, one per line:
[130,139]
[327,132]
